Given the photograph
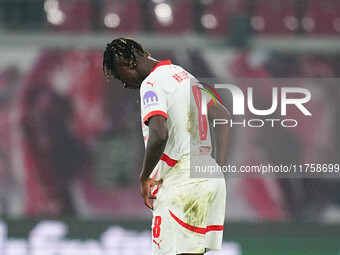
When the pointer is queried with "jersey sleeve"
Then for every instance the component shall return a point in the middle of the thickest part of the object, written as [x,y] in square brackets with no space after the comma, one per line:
[210,103]
[153,100]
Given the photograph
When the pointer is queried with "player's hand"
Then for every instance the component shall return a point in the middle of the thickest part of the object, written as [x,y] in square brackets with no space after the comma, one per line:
[146,186]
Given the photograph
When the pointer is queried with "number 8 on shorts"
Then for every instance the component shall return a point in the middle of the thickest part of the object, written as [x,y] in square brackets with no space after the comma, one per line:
[156,231]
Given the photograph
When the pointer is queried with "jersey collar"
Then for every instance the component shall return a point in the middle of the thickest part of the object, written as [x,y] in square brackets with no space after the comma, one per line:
[162,63]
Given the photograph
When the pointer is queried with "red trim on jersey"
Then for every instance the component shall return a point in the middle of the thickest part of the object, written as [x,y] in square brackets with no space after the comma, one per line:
[169,161]
[155,175]
[211,103]
[196,229]
[153,113]
[154,178]
[155,191]
[162,63]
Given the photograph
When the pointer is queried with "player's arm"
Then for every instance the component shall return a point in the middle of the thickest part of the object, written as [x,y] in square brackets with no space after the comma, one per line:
[158,136]
[221,132]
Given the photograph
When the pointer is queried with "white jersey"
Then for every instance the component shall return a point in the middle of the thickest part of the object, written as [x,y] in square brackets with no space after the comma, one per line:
[172,92]
[188,213]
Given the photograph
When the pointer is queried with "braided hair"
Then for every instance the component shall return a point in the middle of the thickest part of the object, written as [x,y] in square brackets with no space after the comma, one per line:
[123,48]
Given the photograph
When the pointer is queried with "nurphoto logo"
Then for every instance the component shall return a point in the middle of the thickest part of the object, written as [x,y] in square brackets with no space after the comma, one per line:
[295,96]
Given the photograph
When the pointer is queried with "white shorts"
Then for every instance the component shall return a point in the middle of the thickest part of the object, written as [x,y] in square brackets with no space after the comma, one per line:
[188,213]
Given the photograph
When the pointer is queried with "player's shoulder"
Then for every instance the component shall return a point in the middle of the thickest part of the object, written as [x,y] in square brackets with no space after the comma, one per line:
[153,81]
[166,78]
[158,78]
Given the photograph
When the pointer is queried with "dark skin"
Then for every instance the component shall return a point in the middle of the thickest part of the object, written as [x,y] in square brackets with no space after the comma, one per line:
[132,78]
[221,132]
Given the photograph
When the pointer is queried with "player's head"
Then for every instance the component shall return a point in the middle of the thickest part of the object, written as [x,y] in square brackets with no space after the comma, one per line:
[121,59]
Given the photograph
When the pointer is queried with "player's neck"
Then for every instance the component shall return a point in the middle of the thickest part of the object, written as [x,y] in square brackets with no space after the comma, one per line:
[146,65]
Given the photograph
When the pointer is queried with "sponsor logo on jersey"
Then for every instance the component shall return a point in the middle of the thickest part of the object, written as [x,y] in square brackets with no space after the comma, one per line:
[151,83]
[150,98]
